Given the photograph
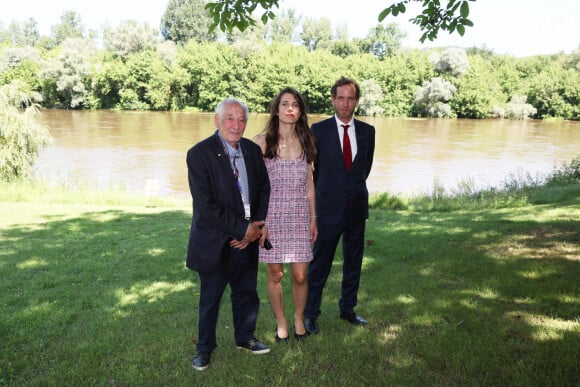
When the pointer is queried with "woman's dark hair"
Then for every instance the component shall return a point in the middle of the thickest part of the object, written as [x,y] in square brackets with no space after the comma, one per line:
[301,128]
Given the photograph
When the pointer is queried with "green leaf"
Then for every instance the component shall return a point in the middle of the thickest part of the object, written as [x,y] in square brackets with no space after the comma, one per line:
[452,26]
[451,7]
[461,29]
[464,9]
[467,22]
[384,13]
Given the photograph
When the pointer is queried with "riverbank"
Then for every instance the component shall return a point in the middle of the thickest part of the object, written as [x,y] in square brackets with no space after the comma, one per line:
[466,290]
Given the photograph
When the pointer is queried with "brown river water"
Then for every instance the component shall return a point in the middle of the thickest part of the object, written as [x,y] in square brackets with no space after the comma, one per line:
[145,151]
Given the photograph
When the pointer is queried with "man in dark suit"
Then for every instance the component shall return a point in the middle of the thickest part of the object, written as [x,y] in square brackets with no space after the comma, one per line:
[345,156]
[230,189]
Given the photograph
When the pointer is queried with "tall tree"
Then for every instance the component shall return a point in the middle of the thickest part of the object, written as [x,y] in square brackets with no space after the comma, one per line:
[70,26]
[284,28]
[30,33]
[316,33]
[21,34]
[68,73]
[130,37]
[14,34]
[382,41]
[186,19]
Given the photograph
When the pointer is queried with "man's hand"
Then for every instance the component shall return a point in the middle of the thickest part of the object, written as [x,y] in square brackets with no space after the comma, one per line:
[253,232]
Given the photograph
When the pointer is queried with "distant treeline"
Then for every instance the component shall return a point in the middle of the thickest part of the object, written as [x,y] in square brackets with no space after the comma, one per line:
[133,69]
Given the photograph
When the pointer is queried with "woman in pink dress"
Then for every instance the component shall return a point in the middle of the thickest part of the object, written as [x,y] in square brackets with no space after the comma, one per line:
[289,150]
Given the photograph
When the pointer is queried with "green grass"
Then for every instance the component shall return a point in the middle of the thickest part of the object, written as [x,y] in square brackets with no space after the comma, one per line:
[94,291]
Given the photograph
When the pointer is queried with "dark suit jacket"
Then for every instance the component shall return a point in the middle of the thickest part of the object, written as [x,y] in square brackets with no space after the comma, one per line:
[337,189]
[218,209]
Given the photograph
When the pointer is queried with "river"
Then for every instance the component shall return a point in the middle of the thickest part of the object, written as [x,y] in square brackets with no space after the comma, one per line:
[145,151]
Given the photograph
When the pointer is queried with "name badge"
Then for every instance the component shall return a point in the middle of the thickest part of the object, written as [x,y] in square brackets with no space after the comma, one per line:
[247,210]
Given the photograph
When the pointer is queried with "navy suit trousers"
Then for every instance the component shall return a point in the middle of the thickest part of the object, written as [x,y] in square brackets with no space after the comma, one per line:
[242,276]
[320,267]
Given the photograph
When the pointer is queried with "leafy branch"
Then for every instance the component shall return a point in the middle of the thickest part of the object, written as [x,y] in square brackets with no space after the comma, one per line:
[230,14]
[434,17]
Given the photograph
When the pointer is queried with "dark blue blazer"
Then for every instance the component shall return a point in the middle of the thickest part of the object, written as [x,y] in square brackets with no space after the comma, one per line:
[337,189]
[218,209]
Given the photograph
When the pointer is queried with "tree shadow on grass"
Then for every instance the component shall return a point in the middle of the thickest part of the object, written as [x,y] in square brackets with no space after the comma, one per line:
[452,299]
[108,283]
[475,298]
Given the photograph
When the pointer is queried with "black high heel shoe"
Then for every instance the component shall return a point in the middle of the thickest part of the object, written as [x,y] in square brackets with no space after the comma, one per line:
[280,339]
[301,337]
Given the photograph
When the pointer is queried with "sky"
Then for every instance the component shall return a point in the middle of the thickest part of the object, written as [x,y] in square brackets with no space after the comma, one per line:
[515,27]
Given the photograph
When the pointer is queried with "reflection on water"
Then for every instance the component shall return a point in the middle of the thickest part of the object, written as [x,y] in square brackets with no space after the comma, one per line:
[145,151]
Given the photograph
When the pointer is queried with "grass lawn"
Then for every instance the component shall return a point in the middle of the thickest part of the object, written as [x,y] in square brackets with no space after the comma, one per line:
[94,291]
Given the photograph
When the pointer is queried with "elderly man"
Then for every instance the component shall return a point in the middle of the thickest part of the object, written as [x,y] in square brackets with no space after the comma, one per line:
[230,190]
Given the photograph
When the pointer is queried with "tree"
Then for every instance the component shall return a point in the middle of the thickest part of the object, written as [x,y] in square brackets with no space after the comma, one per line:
[67,73]
[518,108]
[344,48]
[452,61]
[432,98]
[382,41]
[230,14]
[479,93]
[30,33]
[284,27]
[370,98]
[70,26]
[129,37]
[186,19]
[25,34]
[23,64]
[21,136]
[316,33]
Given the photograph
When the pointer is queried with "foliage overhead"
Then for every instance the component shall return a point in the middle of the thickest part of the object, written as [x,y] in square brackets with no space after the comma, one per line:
[230,14]
[435,17]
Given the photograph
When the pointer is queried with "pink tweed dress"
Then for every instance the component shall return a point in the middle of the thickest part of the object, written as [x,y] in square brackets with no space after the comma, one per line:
[288,219]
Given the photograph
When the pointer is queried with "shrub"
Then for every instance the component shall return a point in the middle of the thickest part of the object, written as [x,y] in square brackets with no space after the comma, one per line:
[21,136]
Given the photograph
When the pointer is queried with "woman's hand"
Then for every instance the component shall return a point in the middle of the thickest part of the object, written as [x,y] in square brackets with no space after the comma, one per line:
[313,230]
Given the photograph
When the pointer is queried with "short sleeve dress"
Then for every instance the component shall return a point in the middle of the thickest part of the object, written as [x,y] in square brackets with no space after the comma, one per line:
[288,219]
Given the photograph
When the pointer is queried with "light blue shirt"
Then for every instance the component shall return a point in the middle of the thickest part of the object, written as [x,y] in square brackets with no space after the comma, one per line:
[236,158]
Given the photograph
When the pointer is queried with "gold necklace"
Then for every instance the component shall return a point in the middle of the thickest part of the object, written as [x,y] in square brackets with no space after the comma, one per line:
[284,145]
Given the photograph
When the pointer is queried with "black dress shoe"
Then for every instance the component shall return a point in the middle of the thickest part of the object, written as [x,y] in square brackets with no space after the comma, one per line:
[353,318]
[311,325]
[254,346]
[201,360]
